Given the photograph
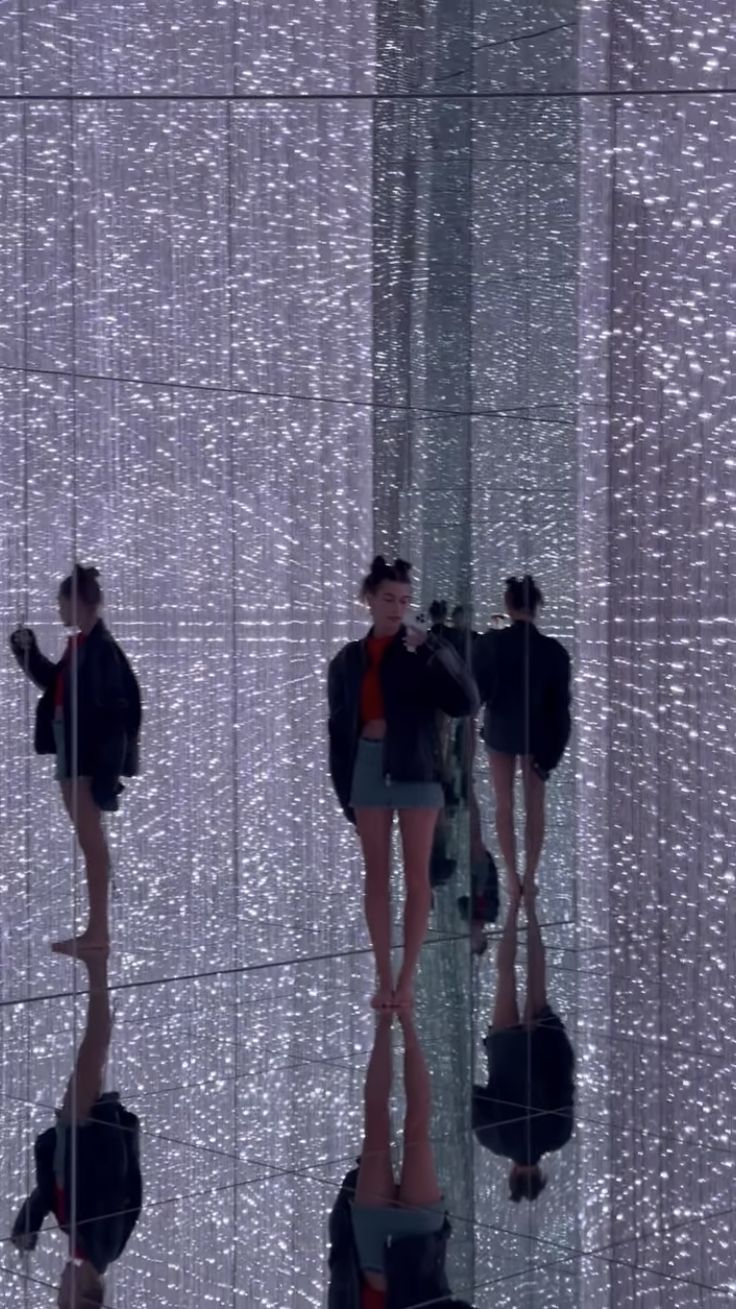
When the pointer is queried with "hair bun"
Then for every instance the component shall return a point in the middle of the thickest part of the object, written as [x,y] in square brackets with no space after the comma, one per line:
[382,572]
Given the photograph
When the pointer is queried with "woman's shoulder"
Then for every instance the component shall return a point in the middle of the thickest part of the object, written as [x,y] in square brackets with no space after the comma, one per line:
[555,649]
[346,654]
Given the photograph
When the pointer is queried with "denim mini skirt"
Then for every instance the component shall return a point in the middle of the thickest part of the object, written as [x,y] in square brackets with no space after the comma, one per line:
[372,790]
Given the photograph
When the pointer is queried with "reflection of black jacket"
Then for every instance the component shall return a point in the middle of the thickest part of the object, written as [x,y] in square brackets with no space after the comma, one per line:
[108,708]
[461,640]
[524,681]
[108,1183]
[415,688]
[527,1108]
[415,1265]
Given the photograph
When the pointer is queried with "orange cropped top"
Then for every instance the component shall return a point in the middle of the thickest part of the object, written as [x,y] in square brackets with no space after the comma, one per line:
[371,1298]
[64,670]
[371,695]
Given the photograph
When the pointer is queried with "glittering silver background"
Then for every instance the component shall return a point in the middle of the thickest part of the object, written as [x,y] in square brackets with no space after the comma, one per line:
[484,319]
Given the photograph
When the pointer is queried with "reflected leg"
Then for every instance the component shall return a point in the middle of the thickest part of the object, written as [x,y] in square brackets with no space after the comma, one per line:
[85,1085]
[536,981]
[417,834]
[375,1185]
[506,1004]
[503,769]
[418,1187]
[374,829]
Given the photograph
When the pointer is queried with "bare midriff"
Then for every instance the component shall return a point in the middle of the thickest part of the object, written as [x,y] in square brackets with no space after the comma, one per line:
[375,730]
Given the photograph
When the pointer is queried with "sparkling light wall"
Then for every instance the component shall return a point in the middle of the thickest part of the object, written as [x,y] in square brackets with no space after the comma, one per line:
[657,602]
[185,364]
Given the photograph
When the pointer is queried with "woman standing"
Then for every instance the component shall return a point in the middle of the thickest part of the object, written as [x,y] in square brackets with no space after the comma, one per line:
[89,717]
[524,682]
[526,1109]
[385,694]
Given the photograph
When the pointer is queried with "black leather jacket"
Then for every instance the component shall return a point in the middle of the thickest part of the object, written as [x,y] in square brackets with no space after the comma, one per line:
[108,709]
[107,1187]
[524,681]
[417,687]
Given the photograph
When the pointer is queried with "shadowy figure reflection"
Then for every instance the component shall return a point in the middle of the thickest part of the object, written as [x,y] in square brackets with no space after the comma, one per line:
[526,1109]
[89,717]
[458,745]
[388,1238]
[87,1166]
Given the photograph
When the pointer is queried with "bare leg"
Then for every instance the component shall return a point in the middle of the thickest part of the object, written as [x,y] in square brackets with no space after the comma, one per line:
[87,820]
[418,1187]
[536,985]
[503,768]
[86,1082]
[417,833]
[374,829]
[83,1090]
[534,834]
[506,1005]
[375,1185]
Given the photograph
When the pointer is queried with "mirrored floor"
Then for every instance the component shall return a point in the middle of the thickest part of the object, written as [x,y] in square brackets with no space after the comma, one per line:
[246,1131]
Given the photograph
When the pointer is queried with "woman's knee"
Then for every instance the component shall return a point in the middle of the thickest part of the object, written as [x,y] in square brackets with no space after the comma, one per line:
[92,839]
[417,1125]
[416,877]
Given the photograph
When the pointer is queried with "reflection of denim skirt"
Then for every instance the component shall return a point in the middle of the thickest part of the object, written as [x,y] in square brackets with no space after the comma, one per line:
[374,1227]
[371,790]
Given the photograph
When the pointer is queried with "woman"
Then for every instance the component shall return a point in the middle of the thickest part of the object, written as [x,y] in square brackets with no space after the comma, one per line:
[524,682]
[526,1110]
[385,694]
[388,1238]
[87,1166]
[89,717]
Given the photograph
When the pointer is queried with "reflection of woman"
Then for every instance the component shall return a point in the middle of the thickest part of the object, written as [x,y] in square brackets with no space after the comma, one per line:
[388,1240]
[526,1109]
[524,682]
[384,694]
[89,717]
[87,1169]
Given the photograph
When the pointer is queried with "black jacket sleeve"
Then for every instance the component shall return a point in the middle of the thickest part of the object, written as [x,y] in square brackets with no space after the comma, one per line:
[42,671]
[339,730]
[109,705]
[30,1219]
[557,722]
[484,664]
[34,1211]
[451,683]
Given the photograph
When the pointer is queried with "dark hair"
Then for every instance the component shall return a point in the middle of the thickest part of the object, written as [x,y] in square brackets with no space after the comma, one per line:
[398,571]
[526,1186]
[522,1186]
[522,593]
[84,583]
[438,611]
